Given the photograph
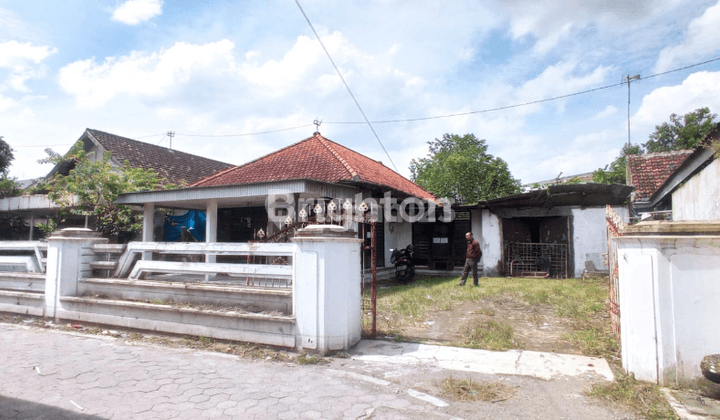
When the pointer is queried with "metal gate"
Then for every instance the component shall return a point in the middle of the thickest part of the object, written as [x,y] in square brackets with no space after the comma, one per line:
[615,227]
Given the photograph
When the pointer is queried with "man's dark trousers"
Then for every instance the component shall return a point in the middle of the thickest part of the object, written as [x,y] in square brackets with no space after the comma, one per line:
[470,264]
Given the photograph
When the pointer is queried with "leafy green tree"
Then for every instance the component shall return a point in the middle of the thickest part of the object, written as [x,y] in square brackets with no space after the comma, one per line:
[615,173]
[6,156]
[682,132]
[459,168]
[96,184]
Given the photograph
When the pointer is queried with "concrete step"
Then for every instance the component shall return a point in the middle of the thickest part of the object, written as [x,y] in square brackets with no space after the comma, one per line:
[27,303]
[22,282]
[275,330]
[251,299]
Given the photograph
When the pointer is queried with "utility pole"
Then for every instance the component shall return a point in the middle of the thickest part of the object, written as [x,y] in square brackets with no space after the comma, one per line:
[171,134]
[627,79]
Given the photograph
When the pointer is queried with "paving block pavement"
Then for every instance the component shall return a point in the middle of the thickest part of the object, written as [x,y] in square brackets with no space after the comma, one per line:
[59,375]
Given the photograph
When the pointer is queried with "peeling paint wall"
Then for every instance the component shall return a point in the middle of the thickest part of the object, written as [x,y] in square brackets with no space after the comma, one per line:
[491,244]
[699,197]
[589,230]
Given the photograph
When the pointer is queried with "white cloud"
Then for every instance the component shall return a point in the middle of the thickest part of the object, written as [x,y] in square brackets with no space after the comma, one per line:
[144,75]
[23,60]
[133,12]
[699,90]
[608,111]
[13,53]
[701,40]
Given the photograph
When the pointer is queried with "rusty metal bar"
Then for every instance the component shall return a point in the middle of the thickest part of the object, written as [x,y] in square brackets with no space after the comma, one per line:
[373,273]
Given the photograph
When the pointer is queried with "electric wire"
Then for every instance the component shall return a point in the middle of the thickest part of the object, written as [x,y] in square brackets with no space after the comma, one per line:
[245,134]
[555,98]
[367,121]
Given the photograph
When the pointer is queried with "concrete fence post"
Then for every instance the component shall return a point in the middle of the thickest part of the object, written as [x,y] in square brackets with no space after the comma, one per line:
[326,289]
[68,260]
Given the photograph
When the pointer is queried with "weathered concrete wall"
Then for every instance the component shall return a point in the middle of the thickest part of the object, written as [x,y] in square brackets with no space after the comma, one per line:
[669,294]
[491,244]
[699,197]
[589,231]
[399,237]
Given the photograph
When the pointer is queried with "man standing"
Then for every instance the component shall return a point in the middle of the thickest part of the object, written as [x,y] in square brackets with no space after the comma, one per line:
[472,257]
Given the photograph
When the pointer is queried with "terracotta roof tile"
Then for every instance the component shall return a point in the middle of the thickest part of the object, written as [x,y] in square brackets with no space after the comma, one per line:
[173,165]
[649,171]
[316,158]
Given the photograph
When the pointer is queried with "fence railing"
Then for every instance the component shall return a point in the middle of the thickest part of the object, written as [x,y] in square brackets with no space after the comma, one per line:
[27,256]
[259,264]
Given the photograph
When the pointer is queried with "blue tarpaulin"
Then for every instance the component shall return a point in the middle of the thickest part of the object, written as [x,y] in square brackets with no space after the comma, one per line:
[193,220]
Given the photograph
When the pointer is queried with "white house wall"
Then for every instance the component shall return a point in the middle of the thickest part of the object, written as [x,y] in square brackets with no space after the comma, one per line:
[699,197]
[491,243]
[589,229]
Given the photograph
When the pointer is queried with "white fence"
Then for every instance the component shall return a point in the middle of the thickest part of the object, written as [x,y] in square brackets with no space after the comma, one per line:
[304,294]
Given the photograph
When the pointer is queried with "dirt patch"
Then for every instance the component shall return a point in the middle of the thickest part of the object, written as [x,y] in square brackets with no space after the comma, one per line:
[535,326]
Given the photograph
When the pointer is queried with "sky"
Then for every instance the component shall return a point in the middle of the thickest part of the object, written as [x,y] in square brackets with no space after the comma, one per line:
[236,80]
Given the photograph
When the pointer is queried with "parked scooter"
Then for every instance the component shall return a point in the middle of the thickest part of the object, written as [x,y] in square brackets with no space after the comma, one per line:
[404,267]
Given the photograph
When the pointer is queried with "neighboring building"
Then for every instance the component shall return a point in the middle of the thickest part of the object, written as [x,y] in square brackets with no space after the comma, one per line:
[557,229]
[692,191]
[173,165]
[647,172]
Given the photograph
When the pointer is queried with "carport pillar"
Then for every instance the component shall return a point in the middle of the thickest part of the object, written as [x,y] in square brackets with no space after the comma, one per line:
[148,223]
[211,214]
[326,289]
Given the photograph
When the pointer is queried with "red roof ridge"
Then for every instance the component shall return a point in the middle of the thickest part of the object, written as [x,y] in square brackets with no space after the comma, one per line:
[325,142]
[211,177]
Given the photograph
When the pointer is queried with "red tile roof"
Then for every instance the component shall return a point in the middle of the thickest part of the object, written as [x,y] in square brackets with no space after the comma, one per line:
[649,171]
[316,158]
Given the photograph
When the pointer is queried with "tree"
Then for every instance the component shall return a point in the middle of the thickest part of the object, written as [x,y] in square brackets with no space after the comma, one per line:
[6,156]
[97,184]
[683,132]
[615,174]
[459,168]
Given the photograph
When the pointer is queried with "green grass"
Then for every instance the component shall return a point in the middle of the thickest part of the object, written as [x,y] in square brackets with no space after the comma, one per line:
[491,335]
[403,305]
[643,397]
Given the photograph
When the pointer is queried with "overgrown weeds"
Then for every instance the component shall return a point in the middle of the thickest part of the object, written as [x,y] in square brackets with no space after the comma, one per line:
[470,390]
[643,397]
[491,335]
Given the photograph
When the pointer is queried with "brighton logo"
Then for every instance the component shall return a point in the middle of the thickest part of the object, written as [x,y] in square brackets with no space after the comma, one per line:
[283,207]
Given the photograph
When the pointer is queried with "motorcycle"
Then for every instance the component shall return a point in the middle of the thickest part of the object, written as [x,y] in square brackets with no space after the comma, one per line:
[404,267]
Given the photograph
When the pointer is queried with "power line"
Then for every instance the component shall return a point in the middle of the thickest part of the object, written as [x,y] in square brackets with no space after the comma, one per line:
[45,145]
[555,98]
[367,121]
[245,134]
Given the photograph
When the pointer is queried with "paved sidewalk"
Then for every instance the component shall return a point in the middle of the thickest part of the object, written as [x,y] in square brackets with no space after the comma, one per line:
[59,375]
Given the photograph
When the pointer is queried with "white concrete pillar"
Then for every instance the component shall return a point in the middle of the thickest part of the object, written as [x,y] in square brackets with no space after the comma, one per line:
[492,243]
[68,261]
[326,288]
[211,215]
[148,225]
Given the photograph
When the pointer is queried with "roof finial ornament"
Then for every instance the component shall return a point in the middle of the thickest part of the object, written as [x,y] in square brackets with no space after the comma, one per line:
[317,126]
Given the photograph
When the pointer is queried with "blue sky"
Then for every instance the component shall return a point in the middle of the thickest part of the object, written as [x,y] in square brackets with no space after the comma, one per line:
[140,68]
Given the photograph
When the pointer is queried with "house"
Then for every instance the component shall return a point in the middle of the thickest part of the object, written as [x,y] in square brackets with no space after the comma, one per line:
[315,177]
[560,230]
[173,165]
[692,191]
[647,172]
